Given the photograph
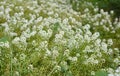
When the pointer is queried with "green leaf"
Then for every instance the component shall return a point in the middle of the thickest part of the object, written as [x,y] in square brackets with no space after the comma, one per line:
[64,68]
[56,26]
[4,39]
[55,30]
[101,73]
[69,73]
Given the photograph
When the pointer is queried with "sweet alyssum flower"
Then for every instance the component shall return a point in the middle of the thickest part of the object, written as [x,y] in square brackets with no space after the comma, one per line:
[48,34]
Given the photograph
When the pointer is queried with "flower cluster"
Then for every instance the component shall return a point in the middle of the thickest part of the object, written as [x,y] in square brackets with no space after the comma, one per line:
[47,37]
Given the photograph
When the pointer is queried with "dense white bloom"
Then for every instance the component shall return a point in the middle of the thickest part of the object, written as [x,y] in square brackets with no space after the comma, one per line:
[72,43]
[96,9]
[91,60]
[99,54]
[87,38]
[110,51]
[66,52]
[110,42]
[88,49]
[58,68]
[16,40]
[93,73]
[111,75]
[116,60]
[111,12]
[7,45]
[95,35]
[23,39]
[14,60]
[87,27]
[55,53]
[1,44]
[77,55]
[34,32]
[115,73]
[43,44]
[104,47]
[39,19]
[65,21]
[43,34]
[73,59]
[50,13]
[88,33]
[48,52]
[16,73]
[13,34]
[98,42]
[30,67]
[86,10]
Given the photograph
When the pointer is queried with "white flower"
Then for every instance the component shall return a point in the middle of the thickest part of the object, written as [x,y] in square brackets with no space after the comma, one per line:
[95,61]
[49,33]
[72,43]
[55,53]
[43,44]
[16,73]
[104,46]
[58,68]
[110,42]
[66,52]
[43,34]
[86,10]
[111,75]
[23,40]
[48,52]
[98,42]
[14,60]
[87,38]
[65,21]
[92,73]
[95,35]
[51,13]
[88,33]
[73,59]
[30,67]
[2,8]
[1,44]
[87,27]
[99,54]
[96,9]
[56,14]
[33,33]
[87,49]
[58,36]
[110,51]
[22,56]
[16,40]
[77,55]
[116,60]
[7,45]
[13,34]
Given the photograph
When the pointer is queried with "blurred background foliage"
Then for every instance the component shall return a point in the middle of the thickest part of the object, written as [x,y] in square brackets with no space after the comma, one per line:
[107,5]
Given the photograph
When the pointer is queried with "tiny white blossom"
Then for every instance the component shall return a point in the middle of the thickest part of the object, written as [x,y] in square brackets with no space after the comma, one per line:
[110,42]
[22,56]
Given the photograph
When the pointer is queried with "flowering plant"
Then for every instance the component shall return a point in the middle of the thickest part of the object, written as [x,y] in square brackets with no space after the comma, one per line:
[48,37]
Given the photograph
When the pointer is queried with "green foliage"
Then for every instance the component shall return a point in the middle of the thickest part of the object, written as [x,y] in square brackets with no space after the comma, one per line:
[101,73]
[4,39]
[107,5]
[49,45]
